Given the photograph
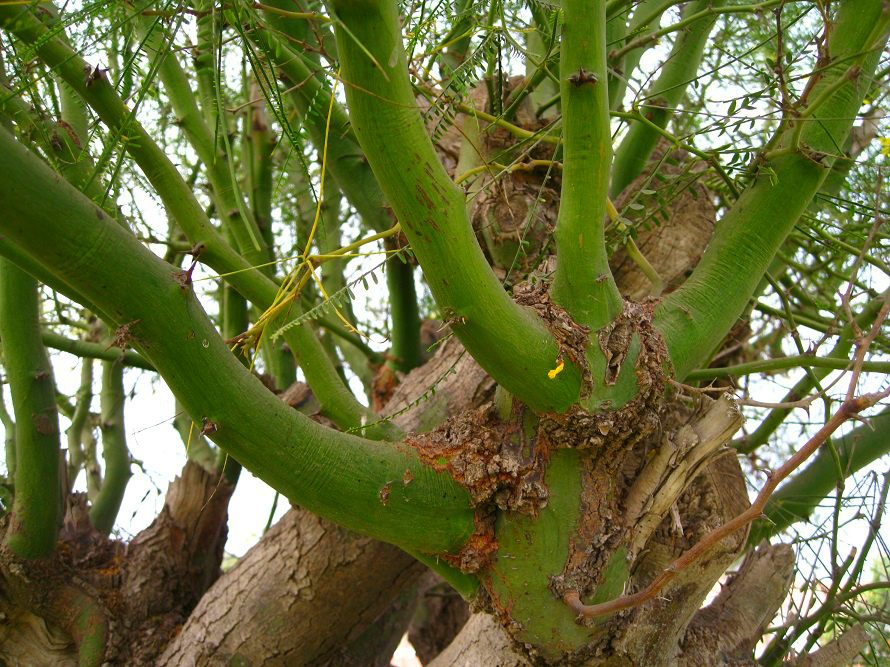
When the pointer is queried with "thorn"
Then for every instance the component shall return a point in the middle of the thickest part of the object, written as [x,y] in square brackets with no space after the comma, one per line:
[208,427]
[582,78]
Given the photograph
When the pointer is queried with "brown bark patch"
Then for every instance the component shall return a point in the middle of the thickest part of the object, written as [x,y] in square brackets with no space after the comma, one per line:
[573,338]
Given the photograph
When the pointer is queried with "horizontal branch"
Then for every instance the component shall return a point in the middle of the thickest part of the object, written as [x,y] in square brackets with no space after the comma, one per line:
[785,363]
[85,349]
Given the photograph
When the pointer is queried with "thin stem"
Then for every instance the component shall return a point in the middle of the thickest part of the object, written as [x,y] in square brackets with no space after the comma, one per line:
[114,448]
[87,350]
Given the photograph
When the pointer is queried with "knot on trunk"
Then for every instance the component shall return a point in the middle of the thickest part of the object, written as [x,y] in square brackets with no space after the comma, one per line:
[609,430]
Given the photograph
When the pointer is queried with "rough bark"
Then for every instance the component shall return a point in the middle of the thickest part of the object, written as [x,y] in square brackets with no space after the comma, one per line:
[110,602]
[838,652]
[441,613]
[733,623]
[295,598]
[649,635]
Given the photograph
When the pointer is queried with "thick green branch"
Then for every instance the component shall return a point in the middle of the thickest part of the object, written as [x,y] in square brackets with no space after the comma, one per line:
[508,341]
[583,284]
[336,475]
[695,318]
[36,511]
[339,404]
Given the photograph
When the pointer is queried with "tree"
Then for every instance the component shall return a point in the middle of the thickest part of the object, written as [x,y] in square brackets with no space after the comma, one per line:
[564,457]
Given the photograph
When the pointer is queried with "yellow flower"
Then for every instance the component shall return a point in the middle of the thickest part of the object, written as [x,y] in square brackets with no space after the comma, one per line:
[885,145]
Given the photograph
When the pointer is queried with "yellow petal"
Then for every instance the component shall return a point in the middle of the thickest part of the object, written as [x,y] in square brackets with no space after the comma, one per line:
[556,371]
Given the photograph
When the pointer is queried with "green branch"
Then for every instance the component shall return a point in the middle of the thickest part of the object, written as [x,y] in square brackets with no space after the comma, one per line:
[647,13]
[114,448]
[36,513]
[665,93]
[583,283]
[87,350]
[218,163]
[405,315]
[333,474]
[696,317]
[339,403]
[508,341]
[79,421]
[312,100]
[784,363]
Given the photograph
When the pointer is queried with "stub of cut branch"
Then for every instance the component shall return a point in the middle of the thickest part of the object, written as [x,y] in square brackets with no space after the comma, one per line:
[849,409]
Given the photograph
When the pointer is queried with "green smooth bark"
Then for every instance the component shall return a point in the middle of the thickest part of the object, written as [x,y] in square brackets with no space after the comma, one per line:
[404,314]
[312,100]
[647,15]
[79,421]
[333,474]
[696,317]
[508,341]
[117,473]
[583,283]
[36,510]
